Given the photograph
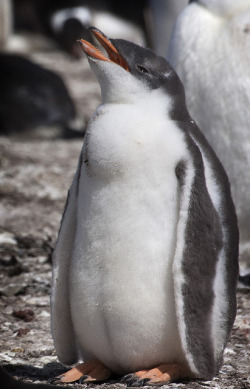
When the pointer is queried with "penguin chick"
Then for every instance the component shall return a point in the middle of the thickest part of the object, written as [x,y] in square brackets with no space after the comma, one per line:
[146,263]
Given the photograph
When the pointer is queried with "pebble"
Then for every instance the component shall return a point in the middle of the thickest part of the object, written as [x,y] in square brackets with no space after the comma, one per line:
[6,238]
[7,356]
[13,289]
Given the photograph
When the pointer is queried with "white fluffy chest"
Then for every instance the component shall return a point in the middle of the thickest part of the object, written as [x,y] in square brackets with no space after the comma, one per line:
[128,208]
[127,140]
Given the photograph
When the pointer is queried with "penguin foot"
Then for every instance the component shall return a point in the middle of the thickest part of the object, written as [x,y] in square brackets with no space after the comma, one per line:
[91,371]
[162,374]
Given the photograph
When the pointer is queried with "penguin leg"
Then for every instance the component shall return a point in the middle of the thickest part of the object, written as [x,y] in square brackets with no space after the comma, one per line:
[91,371]
[162,374]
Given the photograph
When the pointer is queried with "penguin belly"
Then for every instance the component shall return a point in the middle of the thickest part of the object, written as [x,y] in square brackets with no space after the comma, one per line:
[122,296]
[121,283]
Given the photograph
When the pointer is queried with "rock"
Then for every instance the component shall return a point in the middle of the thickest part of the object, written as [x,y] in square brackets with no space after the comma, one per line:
[13,289]
[25,315]
[22,331]
[6,238]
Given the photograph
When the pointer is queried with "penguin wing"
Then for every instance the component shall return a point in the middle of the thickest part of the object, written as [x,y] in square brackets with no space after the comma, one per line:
[198,247]
[61,323]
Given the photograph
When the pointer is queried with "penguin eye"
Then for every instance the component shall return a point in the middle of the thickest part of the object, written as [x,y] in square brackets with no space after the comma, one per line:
[141,69]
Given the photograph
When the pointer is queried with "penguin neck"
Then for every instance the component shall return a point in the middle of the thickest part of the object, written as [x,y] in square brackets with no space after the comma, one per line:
[152,103]
[120,137]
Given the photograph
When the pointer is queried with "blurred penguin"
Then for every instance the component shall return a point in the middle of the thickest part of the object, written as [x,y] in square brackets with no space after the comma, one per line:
[34,101]
[144,22]
[5,22]
[210,50]
[162,16]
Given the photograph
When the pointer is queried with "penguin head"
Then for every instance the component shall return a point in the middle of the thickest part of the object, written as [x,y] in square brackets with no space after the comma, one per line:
[127,73]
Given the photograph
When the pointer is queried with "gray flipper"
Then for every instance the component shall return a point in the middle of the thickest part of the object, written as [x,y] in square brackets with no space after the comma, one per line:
[199,250]
[61,323]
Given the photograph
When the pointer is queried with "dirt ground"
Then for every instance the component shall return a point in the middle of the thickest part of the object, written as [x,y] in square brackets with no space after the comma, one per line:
[34,179]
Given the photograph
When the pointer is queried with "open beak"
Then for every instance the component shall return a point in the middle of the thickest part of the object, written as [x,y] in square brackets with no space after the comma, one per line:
[92,51]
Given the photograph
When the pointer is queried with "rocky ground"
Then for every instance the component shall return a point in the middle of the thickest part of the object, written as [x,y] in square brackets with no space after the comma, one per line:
[34,178]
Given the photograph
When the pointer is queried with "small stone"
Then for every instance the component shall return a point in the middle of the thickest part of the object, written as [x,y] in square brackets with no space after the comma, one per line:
[4,328]
[44,314]
[42,259]
[7,357]
[22,331]
[18,350]
[13,289]
[6,238]
[41,301]
[48,359]
[26,315]
[7,310]
[229,351]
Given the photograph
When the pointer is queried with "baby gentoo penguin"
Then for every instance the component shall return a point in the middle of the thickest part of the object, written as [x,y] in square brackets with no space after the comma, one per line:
[146,262]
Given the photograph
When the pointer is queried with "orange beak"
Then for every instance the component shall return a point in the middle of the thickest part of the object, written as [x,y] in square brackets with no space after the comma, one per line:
[92,51]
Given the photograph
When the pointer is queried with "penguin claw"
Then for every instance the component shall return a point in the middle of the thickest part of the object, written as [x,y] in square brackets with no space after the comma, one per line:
[160,375]
[91,371]
[132,381]
[54,380]
[126,378]
[140,383]
[82,379]
[143,382]
[129,380]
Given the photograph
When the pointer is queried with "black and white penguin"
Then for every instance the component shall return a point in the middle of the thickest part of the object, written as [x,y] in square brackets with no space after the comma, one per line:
[34,100]
[210,50]
[65,21]
[146,262]
[68,24]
